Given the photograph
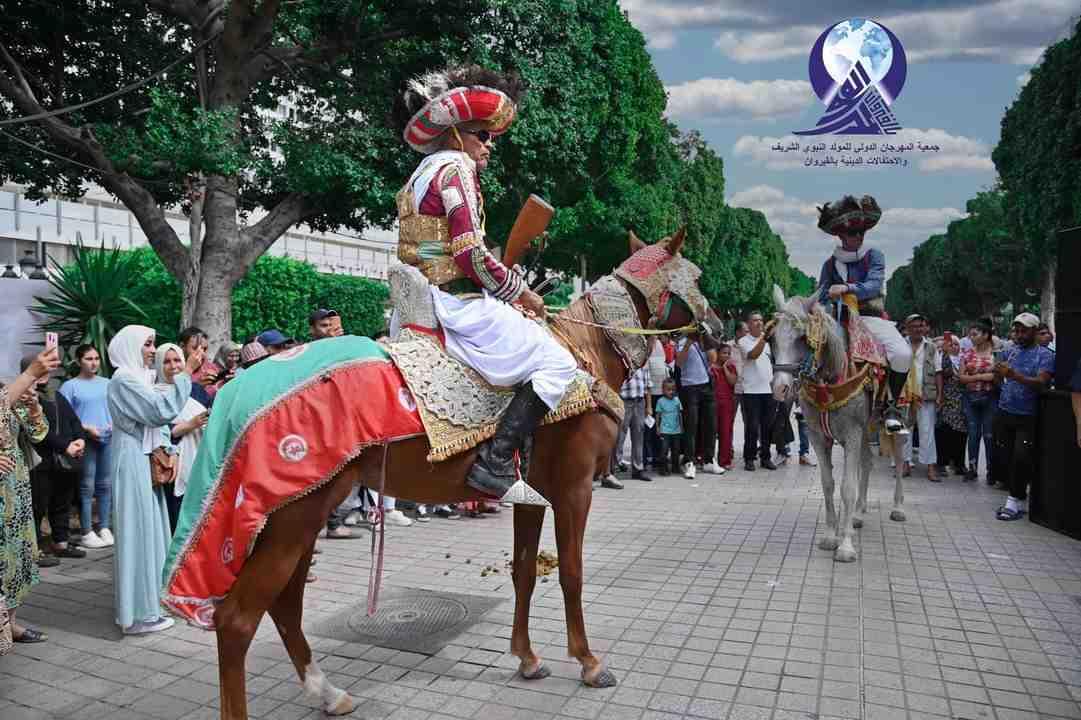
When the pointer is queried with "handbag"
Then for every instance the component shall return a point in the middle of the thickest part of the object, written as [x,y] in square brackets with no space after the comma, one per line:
[163,467]
[7,640]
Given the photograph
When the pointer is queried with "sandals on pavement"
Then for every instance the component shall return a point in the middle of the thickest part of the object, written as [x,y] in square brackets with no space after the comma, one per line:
[1004,513]
[30,635]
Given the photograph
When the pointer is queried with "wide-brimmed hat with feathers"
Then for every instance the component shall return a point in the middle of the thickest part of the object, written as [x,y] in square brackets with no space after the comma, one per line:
[467,96]
[849,215]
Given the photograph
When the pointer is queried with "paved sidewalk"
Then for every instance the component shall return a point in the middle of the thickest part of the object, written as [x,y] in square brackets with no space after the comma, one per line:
[708,599]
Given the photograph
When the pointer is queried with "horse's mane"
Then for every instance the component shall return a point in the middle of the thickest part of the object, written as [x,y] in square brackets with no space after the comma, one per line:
[833,356]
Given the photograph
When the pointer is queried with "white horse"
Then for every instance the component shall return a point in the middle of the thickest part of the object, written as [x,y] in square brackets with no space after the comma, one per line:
[849,425]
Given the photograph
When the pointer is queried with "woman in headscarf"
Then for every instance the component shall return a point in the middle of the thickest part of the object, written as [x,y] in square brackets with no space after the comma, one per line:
[20,410]
[185,432]
[140,518]
[228,359]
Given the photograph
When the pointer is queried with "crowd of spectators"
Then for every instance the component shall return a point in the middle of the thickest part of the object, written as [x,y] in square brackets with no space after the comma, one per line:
[104,463]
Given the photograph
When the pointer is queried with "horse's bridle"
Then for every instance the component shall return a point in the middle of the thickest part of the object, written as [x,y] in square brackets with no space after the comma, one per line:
[796,370]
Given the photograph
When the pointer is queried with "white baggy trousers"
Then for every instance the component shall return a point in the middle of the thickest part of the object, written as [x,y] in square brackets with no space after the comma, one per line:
[504,346]
[898,351]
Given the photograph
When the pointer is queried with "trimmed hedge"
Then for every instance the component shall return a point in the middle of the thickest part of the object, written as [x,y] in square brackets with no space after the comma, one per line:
[277,292]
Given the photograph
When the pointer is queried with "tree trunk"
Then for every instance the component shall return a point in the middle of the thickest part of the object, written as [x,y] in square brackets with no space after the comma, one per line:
[1047,293]
[218,267]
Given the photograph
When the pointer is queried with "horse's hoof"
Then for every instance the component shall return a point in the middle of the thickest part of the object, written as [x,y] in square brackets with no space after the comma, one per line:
[844,555]
[539,673]
[602,679]
[828,543]
[857,523]
[342,707]
[897,515]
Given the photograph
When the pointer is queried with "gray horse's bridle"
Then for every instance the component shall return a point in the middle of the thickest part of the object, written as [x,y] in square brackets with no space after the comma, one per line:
[793,369]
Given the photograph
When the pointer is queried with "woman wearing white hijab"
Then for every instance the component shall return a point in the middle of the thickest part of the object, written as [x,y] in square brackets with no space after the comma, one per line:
[186,431]
[140,519]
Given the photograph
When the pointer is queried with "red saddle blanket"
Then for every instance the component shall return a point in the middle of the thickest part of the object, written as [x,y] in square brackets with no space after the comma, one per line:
[278,431]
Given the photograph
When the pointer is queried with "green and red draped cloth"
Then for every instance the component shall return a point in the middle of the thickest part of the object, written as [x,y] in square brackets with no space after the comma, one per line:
[278,431]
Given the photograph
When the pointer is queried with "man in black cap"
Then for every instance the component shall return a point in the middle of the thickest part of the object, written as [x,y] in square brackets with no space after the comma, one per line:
[324,323]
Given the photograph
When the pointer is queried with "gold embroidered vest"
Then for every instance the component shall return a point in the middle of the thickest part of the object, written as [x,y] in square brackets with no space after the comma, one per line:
[424,242]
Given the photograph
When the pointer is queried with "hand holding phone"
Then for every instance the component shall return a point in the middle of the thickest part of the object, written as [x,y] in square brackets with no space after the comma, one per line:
[51,340]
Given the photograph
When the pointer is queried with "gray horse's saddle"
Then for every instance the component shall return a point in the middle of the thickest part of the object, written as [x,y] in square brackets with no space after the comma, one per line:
[458,407]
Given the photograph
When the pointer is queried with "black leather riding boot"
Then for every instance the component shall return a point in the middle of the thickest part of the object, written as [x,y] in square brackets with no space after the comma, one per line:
[493,471]
[892,415]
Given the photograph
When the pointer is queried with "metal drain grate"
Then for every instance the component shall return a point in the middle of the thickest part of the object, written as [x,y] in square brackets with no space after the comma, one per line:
[420,621]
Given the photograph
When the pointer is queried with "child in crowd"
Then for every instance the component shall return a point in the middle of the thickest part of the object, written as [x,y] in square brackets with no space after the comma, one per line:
[725,376]
[669,415]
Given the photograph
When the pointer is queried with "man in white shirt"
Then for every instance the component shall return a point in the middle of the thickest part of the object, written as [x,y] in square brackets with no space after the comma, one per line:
[923,389]
[757,400]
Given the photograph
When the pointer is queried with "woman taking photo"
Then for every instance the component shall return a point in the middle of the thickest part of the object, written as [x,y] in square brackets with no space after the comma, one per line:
[184,433]
[978,399]
[86,394]
[20,410]
[141,519]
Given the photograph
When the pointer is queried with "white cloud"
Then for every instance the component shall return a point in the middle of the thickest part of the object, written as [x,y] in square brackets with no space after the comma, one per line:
[727,97]
[796,221]
[1010,31]
[1023,79]
[956,152]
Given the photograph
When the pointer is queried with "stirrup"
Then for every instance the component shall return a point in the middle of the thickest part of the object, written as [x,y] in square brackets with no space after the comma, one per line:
[891,422]
[522,494]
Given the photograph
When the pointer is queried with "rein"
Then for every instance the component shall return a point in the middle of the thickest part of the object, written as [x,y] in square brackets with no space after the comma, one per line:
[685,329]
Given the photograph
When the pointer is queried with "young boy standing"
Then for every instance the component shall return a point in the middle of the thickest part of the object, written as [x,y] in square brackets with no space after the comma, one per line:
[669,415]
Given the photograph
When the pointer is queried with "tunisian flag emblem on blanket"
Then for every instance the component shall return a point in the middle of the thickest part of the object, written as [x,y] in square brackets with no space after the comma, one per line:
[278,431]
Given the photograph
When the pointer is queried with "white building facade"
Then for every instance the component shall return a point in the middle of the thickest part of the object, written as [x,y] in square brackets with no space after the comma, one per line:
[53,225]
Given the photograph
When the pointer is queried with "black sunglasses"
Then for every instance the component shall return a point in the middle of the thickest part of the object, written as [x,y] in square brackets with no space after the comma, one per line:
[482,135]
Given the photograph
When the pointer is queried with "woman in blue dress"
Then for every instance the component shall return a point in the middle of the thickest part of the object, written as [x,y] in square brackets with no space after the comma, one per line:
[140,519]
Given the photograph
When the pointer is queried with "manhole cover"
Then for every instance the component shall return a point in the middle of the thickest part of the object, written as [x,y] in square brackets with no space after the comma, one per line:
[420,621]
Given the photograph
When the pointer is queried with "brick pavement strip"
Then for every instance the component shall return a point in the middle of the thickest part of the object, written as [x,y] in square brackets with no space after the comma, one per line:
[708,597]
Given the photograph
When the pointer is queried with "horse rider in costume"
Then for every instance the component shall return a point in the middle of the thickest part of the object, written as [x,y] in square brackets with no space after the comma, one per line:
[860,270]
[453,117]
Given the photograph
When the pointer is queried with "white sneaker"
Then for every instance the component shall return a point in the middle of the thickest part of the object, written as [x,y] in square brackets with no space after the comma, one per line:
[397,517]
[92,541]
[106,537]
[713,469]
[150,626]
[688,471]
[355,518]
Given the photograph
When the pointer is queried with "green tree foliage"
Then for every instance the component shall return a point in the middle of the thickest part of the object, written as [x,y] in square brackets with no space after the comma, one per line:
[971,271]
[591,137]
[202,136]
[1038,157]
[278,292]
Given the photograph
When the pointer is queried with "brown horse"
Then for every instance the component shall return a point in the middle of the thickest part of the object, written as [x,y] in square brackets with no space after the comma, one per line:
[565,459]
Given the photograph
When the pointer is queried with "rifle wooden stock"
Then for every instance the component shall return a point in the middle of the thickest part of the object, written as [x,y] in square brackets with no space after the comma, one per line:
[532,220]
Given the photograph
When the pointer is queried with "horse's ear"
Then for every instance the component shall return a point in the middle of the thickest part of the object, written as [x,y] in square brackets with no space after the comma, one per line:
[676,241]
[810,303]
[778,296]
[635,242]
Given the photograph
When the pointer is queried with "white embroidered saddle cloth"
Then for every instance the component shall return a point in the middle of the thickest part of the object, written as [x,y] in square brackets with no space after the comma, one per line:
[458,407]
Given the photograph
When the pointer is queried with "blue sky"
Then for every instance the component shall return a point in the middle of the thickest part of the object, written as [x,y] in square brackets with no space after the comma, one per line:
[736,70]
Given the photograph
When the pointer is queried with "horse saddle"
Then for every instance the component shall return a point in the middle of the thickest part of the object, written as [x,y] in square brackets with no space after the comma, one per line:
[458,408]
[861,344]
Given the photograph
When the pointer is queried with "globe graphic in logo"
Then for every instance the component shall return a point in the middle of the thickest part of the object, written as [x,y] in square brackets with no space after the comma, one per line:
[854,41]
[857,69]
[857,47]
